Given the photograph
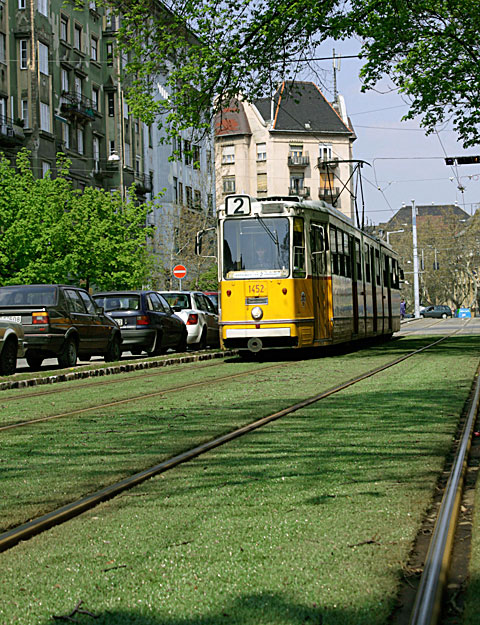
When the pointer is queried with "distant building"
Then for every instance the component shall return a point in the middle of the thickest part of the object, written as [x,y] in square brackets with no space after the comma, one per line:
[425,213]
[293,144]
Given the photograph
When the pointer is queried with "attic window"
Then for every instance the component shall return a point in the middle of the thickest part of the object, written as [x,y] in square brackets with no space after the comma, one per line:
[308,126]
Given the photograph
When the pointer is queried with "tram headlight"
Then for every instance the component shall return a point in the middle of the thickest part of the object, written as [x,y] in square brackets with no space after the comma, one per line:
[257,313]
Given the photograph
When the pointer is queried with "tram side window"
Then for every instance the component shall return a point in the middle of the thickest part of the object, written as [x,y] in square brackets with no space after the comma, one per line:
[341,257]
[377,267]
[334,249]
[358,259]
[347,244]
[395,278]
[368,276]
[318,247]
[298,248]
[386,271]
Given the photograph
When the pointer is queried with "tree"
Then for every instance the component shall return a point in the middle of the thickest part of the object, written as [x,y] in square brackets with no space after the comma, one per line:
[52,233]
[428,48]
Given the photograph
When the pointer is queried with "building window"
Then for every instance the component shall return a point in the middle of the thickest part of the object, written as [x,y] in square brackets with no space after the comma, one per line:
[80,137]
[189,197]
[78,86]
[77,38]
[66,135]
[96,153]
[96,98]
[112,148]
[45,168]
[137,165]
[64,80]
[209,162]
[111,104]
[43,7]
[128,155]
[229,184]
[180,193]
[43,58]
[110,54]
[325,151]
[94,49]
[296,150]
[296,184]
[23,43]
[3,109]
[24,105]
[197,200]
[261,183]
[45,117]
[187,147]
[63,28]
[22,4]
[2,48]
[228,154]
[261,151]
[196,156]
[175,190]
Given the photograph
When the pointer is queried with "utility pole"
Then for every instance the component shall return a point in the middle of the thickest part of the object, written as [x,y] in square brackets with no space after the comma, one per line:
[415,262]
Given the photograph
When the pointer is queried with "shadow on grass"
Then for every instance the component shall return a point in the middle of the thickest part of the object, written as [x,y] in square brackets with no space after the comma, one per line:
[247,610]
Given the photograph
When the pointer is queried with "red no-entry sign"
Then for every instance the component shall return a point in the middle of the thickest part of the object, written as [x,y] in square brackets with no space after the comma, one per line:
[179,271]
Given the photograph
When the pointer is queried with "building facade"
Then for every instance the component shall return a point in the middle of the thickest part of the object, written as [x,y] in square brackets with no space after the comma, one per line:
[293,144]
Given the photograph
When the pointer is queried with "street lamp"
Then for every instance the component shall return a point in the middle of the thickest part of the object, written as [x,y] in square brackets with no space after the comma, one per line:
[416,291]
[392,232]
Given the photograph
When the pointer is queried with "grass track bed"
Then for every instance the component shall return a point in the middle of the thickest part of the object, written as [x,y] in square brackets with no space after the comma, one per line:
[62,460]
[308,520]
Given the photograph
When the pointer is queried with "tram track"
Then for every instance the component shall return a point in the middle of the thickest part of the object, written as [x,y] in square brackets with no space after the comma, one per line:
[135,398]
[68,511]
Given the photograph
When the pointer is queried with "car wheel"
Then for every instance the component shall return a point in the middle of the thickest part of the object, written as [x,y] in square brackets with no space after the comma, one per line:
[202,343]
[157,348]
[182,345]
[444,316]
[34,360]
[8,358]
[114,351]
[422,316]
[68,357]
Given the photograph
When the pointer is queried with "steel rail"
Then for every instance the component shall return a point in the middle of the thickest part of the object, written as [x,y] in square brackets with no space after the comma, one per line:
[27,530]
[118,402]
[427,606]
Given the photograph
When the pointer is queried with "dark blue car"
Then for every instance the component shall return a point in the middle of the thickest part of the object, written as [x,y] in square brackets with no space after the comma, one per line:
[147,323]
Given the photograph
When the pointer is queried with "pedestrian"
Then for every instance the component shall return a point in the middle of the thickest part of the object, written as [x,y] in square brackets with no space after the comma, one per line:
[403,308]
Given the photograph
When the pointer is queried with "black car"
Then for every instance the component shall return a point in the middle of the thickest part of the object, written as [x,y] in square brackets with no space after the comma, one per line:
[146,321]
[438,312]
[60,321]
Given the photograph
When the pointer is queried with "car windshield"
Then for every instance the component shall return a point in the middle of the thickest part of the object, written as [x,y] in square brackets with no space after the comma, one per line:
[118,302]
[28,296]
[178,301]
[256,247]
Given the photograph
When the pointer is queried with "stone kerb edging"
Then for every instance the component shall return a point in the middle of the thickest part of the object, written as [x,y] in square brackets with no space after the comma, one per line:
[81,374]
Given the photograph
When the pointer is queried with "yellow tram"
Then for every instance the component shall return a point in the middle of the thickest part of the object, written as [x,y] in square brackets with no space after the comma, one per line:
[297,273]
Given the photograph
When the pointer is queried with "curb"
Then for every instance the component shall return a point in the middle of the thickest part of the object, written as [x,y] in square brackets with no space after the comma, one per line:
[81,374]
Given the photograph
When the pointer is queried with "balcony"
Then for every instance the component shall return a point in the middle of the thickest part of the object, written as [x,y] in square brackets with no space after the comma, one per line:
[11,132]
[301,192]
[327,164]
[143,183]
[298,161]
[328,194]
[77,106]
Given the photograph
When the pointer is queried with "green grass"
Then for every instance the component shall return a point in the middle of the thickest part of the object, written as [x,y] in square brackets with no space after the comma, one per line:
[309,520]
[97,448]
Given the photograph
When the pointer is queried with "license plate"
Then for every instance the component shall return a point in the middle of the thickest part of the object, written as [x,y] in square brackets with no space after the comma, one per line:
[15,318]
[256,289]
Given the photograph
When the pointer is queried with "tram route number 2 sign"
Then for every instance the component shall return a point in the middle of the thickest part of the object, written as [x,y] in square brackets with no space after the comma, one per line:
[179,271]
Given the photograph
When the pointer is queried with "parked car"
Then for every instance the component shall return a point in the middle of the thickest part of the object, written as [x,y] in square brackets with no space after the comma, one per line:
[146,321]
[12,345]
[439,312]
[60,321]
[199,315]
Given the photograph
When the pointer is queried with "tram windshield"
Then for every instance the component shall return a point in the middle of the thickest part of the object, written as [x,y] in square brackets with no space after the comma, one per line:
[258,247]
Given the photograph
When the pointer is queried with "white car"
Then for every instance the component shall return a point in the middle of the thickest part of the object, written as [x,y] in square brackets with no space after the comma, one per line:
[12,345]
[199,315]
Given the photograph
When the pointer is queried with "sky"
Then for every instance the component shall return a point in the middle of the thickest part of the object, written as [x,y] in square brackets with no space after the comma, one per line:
[405,164]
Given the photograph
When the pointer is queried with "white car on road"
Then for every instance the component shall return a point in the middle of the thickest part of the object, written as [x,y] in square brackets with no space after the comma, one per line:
[199,315]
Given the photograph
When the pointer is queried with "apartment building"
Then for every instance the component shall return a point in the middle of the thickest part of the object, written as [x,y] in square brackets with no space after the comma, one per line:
[293,144]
